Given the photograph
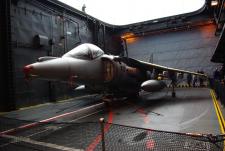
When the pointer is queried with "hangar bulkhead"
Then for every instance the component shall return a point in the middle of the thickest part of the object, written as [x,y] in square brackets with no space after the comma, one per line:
[71,81]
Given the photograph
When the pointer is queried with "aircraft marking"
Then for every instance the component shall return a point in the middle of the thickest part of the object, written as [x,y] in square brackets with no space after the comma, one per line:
[141,111]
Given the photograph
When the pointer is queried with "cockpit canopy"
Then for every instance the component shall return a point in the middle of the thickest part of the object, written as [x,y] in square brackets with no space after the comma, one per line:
[85,51]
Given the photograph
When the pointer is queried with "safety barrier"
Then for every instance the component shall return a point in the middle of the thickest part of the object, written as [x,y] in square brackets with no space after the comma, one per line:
[100,136]
[186,86]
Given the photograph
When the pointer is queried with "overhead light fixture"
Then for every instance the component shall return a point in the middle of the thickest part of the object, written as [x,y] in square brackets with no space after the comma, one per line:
[127,35]
[214,3]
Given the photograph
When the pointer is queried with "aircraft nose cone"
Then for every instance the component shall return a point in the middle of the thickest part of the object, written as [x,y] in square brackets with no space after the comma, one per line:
[27,70]
[54,69]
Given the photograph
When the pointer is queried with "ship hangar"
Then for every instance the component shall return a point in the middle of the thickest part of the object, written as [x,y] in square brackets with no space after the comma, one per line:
[51,115]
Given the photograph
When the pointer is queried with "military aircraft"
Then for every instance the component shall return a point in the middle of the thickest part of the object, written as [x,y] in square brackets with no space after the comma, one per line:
[87,65]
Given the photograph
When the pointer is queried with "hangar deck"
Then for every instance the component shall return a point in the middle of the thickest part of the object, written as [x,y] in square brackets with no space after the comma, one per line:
[194,110]
[38,30]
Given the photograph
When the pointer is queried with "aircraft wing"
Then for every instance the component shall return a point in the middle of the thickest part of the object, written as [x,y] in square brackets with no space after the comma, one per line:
[150,66]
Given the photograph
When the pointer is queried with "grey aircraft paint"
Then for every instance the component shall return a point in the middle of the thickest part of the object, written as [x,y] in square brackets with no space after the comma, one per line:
[88,65]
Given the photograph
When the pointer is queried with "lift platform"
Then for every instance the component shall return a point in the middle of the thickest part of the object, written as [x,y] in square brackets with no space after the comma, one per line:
[194,120]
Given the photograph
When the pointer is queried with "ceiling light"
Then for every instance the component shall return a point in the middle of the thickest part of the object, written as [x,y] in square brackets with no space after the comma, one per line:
[214,3]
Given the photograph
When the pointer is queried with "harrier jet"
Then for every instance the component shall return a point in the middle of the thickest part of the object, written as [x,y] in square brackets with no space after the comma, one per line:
[87,65]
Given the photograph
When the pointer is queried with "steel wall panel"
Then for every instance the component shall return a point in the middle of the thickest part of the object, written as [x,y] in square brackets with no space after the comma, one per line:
[187,49]
[29,20]
[66,30]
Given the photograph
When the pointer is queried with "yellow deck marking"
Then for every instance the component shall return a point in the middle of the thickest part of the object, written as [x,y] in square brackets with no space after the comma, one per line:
[219,114]
[217,103]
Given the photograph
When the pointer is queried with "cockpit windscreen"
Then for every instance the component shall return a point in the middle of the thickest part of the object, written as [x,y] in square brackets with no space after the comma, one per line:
[85,51]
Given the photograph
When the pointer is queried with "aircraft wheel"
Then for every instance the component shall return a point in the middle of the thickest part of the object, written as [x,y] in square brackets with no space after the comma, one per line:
[173,94]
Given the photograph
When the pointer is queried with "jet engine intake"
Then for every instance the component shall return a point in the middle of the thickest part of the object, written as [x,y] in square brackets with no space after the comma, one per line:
[108,70]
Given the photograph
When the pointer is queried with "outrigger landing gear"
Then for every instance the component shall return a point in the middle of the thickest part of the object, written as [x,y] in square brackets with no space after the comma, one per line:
[172,76]
[173,90]
[173,94]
